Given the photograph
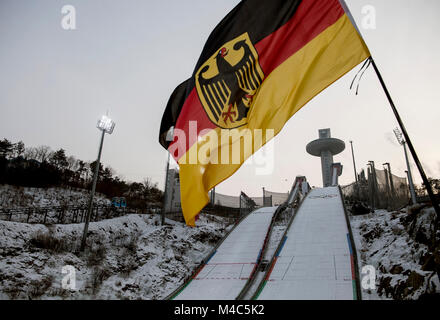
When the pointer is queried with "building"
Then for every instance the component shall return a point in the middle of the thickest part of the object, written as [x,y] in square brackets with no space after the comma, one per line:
[172,192]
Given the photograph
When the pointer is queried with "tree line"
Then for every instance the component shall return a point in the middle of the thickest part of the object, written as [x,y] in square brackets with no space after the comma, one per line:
[43,167]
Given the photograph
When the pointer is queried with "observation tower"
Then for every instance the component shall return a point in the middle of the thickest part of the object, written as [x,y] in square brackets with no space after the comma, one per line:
[326,147]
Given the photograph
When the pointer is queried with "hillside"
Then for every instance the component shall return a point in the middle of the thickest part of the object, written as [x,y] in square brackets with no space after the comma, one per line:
[19,197]
[400,246]
[130,257]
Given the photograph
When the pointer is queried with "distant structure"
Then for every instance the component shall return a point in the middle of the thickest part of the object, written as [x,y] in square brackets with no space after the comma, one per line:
[326,147]
[172,194]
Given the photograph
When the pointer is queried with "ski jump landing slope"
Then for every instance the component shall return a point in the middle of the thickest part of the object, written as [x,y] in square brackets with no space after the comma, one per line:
[315,261]
[227,271]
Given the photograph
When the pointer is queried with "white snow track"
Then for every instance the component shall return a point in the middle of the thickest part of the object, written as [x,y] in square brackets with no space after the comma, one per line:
[315,260]
[225,274]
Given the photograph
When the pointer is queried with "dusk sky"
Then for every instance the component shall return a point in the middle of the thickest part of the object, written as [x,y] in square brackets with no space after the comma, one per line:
[126,57]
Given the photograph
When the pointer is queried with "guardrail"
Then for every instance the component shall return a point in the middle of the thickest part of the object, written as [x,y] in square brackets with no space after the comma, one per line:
[283,238]
[294,194]
[427,198]
[353,250]
[187,281]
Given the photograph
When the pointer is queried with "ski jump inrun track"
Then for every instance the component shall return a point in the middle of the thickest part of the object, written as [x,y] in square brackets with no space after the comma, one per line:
[314,259]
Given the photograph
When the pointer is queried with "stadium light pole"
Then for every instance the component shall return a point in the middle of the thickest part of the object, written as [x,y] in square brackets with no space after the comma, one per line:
[428,186]
[354,163]
[165,194]
[106,125]
[169,138]
[402,142]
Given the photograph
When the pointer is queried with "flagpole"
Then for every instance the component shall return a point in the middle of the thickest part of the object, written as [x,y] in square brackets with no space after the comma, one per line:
[399,120]
[408,141]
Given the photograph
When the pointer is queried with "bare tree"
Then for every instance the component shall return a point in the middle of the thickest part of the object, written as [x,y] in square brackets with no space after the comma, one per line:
[81,169]
[42,153]
[30,153]
[72,163]
[148,184]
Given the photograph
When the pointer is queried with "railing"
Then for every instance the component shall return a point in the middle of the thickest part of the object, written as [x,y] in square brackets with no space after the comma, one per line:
[232,214]
[300,189]
[425,198]
[297,193]
[354,254]
[62,214]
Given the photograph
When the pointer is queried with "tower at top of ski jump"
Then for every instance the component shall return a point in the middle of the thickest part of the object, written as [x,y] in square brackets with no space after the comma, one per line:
[326,147]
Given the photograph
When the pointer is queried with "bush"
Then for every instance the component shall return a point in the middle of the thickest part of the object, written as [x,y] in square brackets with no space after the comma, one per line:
[96,256]
[38,288]
[98,277]
[47,241]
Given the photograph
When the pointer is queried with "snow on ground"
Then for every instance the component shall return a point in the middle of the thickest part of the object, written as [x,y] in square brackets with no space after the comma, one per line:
[399,246]
[12,197]
[130,257]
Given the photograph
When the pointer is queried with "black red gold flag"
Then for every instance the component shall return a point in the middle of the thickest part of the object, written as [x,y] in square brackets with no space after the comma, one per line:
[261,64]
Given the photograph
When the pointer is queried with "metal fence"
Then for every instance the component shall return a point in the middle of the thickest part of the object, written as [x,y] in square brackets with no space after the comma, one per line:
[62,214]
[247,204]
[229,207]
[230,214]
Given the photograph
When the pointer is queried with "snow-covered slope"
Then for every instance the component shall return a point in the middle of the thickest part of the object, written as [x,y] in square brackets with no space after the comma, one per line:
[16,197]
[399,246]
[130,257]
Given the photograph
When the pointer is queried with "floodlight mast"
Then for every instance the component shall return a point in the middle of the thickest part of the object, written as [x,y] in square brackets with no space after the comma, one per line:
[169,138]
[165,194]
[402,142]
[106,125]
[354,163]
[399,136]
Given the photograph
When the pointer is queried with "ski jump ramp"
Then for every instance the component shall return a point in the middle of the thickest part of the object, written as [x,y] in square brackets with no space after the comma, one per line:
[226,272]
[315,259]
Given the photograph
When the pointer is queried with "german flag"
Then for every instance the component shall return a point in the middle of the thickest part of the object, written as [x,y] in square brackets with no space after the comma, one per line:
[260,65]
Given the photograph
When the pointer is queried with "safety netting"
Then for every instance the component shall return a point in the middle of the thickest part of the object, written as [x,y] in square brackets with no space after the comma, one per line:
[378,189]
